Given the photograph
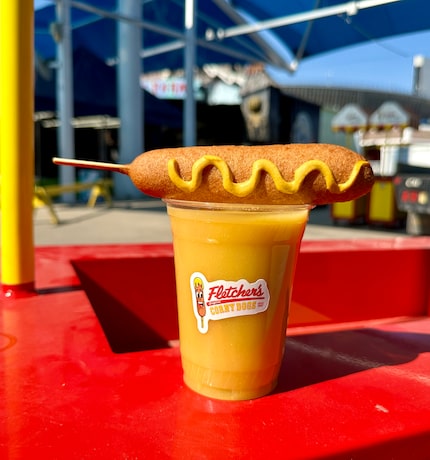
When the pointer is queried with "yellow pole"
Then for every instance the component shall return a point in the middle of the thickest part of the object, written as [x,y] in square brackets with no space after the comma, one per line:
[17,146]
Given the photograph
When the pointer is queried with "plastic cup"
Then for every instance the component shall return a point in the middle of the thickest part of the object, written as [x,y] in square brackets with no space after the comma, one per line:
[234,268]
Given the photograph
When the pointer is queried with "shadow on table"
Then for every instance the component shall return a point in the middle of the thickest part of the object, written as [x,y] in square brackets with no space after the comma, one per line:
[315,358]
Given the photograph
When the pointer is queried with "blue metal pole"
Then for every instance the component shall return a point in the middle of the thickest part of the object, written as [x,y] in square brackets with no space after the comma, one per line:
[62,34]
[130,95]
[189,132]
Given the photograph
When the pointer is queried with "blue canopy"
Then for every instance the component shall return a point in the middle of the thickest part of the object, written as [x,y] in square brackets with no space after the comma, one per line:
[294,30]
[162,25]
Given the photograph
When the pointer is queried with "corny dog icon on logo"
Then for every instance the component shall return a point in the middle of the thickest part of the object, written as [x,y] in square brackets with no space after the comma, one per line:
[200,300]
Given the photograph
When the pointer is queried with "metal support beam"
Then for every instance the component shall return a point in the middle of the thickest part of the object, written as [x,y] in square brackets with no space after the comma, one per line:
[123,16]
[349,8]
[62,34]
[214,46]
[275,57]
[189,134]
[130,96]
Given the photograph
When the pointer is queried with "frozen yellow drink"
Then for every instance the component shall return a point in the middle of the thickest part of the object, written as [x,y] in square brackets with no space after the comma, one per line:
[234,272]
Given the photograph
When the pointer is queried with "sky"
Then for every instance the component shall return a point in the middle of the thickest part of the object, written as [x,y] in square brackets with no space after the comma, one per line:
[380,65]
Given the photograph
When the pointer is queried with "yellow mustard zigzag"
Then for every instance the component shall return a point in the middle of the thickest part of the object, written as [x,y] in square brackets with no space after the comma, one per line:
[242,189]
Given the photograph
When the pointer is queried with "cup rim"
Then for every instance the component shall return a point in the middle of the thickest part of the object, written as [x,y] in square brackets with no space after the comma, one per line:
[214,206]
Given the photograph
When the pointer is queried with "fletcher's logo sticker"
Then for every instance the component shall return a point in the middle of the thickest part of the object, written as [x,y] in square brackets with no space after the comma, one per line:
[215,300]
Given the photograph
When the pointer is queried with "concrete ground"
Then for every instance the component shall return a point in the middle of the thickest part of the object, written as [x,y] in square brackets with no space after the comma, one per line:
[146,221]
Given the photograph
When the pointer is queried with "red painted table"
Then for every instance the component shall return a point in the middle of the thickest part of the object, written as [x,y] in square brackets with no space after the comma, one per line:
[90,367]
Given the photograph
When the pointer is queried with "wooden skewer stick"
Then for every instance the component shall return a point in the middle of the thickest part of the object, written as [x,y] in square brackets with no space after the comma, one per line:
[123,169]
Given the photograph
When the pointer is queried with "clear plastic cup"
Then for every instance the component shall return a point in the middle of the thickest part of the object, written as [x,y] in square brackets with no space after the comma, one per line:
[234,268]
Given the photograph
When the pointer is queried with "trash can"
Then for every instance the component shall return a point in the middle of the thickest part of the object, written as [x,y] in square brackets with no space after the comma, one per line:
[382,209]
[352,212]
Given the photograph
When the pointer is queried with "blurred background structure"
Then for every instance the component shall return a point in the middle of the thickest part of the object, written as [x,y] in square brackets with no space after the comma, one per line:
[137,75]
